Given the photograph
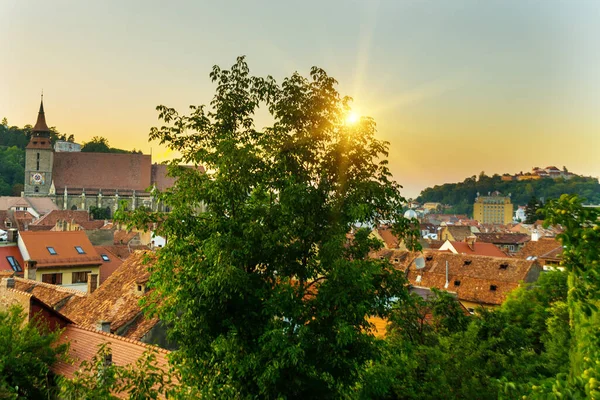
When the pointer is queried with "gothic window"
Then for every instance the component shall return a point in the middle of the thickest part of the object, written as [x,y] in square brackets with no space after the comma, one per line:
[74,208]
[38,165]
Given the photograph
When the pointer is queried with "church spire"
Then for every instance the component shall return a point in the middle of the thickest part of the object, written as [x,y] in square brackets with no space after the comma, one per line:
[40,125]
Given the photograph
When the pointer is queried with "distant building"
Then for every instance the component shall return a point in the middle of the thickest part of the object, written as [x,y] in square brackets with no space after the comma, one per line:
[63,146]
[520,214]
[494,209]
[79,181]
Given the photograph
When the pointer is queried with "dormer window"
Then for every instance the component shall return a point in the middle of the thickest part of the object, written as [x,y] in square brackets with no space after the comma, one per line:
[51,251]
[79,250]
[493,288]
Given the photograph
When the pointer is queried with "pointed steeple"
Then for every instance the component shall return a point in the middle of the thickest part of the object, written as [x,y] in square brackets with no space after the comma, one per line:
[40,125]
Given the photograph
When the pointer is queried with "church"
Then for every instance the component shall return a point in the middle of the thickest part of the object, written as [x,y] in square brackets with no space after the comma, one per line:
[76,180]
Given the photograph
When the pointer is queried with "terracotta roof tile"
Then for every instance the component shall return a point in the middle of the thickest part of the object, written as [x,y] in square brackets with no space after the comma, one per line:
[124,237]
[116,300]
[102,171]
[64,243]
[476,275]
[161,179]
[54,296]
[108,267]
[503,238]
[479,248]
[85,342]
[542,248]
[50,219]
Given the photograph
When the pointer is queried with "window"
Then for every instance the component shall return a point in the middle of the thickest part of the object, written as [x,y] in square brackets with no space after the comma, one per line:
[38,165]
[467,262]
[80,277]
[14,264]
[36,189]
[79,250]
[55,279]
[105,257]
[429,258]
[457,283]
[139,288]
[396,260]
[471,310]
[504,266]
[51,251]
[493,288]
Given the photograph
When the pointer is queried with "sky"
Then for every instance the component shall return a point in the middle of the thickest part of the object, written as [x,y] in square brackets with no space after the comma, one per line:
[457,87]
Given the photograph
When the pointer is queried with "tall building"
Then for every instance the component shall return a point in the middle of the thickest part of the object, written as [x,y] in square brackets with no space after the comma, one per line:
[79,181]
[493,209]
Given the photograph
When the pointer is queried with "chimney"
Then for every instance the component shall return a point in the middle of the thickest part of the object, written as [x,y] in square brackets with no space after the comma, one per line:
[8,283]
[471,242]
[103,326]
[92,283]
[535,236]
[30,269]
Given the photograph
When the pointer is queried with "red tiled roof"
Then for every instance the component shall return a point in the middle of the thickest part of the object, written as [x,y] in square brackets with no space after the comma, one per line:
[389,239]
[542,248]
[54,296]
[476,275]
[116,301]
[160,178]
[37,243]
[85,342]
[503,238]
[108,267]
[479,248]
[10,251]
[124,237]
[50,219]
[102,171]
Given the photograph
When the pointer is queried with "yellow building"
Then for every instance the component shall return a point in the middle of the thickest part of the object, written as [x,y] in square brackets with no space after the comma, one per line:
[493,210]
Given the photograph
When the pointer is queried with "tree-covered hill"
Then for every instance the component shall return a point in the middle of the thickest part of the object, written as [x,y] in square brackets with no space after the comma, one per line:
[460,196]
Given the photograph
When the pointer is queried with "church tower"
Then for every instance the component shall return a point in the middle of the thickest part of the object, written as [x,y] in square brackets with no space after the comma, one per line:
[39,157]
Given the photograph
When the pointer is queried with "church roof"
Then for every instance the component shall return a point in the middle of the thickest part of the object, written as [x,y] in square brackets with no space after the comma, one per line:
[106,171]
[40,125]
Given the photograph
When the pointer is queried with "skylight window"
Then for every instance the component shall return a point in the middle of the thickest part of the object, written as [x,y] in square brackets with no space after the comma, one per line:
[52,251]
[456,283]
[79,250]
[503,266]
[14,264]
[467,262]
[105,257]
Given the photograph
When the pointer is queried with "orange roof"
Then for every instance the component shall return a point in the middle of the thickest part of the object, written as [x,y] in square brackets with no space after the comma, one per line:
[116,301]
[390,240]
[50,219]
[85,342]
[110,266]
[11,251]
[54,296]
[542,248]
[474,274]
[101,171]
[479,248]
[64,244]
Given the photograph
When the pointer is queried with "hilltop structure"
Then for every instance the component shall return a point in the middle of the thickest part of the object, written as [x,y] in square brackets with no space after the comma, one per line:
[78,181]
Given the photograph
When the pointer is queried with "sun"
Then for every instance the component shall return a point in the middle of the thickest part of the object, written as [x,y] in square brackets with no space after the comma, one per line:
[352,118]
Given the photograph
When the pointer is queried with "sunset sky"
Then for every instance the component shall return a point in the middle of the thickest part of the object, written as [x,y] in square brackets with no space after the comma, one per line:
[457,87]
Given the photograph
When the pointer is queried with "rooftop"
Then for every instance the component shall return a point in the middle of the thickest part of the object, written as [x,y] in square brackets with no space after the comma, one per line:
[52,249]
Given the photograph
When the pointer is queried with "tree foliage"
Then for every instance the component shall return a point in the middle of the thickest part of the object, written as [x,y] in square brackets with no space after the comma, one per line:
[27,351]
[266,295]
[99,144]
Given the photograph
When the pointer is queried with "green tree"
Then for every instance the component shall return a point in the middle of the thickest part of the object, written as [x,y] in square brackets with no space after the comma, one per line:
[96,145]
[27,351]
[531,214]
[264,292]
